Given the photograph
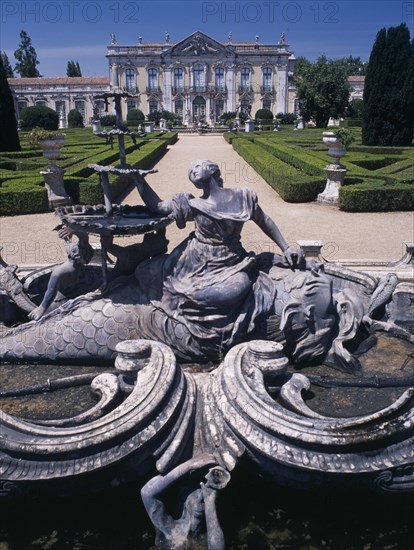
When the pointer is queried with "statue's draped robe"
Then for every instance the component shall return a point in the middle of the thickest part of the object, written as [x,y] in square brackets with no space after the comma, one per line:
[208,258]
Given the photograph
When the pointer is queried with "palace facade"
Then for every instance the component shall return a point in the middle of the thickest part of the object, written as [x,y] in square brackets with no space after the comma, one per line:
[200,78]
[60,94]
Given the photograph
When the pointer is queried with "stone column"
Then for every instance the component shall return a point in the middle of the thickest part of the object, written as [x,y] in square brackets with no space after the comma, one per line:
[281,91]
[168,89]
[114,75]
[231,88]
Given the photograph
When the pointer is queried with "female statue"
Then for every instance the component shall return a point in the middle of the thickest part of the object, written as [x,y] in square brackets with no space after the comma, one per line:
[207,295]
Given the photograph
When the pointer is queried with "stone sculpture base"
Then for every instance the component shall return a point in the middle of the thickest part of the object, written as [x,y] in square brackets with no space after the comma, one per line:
[335,179]
[55,188]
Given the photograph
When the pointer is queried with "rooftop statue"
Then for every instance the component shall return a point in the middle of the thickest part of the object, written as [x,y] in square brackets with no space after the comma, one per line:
[204,297]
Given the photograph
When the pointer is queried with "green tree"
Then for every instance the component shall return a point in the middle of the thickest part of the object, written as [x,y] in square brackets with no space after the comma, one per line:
[389,89]
[353,65]
[9,138]
[75,119]
[6,64]
[323,90]
[73,69]
[26,57]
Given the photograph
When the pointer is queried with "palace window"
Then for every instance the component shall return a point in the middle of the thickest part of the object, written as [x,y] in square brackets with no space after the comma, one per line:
[245,79]
[267,79]
[80,106]
[199,77]
[60,107]
[219,82]
[178,79]
[41,102]
[130,84]
[152,79]
[100,107]
[179,107]
[131,105]
[153,106]
[267,104]
[21,105]
[219,105]
[245,105]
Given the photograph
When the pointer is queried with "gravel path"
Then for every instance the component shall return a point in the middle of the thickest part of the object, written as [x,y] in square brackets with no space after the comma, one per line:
[30,240]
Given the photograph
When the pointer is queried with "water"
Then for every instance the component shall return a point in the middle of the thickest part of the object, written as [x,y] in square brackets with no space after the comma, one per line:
[254,515]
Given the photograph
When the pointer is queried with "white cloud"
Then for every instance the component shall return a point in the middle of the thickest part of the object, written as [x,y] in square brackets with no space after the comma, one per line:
[71,51]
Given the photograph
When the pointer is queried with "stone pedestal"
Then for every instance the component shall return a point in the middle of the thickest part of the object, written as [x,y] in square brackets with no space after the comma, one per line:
[335,172]
[55,188]
[311,249]
[62,121]
[53,175]
[300,125]
[335,179]
[96,126]
[149,127]
[249,126]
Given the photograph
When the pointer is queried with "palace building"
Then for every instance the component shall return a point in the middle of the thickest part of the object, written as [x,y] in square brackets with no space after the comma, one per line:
[200,78]
[60,94]
[196,78]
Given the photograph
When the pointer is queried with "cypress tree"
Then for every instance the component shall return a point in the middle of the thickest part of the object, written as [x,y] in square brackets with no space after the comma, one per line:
[6,64]
[389,90]
[73,69]
[9,138]
[26,57]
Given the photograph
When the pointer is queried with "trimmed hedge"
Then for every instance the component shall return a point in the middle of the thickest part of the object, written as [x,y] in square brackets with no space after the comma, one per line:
[81,183]
[39,116]
[22,199]
[311,166]
[376,196]
[290,183]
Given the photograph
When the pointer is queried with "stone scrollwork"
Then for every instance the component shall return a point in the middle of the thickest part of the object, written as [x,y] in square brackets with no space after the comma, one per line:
[152,419]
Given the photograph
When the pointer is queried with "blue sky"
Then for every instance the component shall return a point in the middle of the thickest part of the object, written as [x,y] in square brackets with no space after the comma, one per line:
[62,30]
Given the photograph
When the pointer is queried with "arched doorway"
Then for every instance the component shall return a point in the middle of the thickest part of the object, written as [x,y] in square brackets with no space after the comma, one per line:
[199,108]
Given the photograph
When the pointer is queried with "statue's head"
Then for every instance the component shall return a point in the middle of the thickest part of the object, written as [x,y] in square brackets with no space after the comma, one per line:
[80,252]
[201,172]
[316,318]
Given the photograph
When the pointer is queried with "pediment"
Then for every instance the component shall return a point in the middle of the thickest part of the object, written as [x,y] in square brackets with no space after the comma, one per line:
[198,44]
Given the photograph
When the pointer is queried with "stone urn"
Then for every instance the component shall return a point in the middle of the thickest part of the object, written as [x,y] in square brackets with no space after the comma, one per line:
[335,171]
[53,175]
[96,126]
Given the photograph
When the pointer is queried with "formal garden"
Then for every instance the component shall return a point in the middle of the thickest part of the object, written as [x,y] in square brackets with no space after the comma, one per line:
[292,162]
[22,187]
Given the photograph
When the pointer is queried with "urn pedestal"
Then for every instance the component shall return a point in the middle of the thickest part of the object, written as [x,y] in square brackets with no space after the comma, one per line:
[53,175]
[335,171]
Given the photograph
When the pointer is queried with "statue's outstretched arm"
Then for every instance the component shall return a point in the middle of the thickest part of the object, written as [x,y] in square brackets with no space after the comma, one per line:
[269,228]
[293,256]
[150,197]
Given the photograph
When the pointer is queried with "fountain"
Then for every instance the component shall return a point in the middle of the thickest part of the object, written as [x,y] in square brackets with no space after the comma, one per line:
[207,357]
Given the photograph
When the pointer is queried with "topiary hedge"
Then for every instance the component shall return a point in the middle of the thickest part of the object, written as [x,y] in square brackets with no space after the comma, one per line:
[374,195]
[39,116]
[15,186]
[135,116]
[75,119]
[290,183]
[22,198]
